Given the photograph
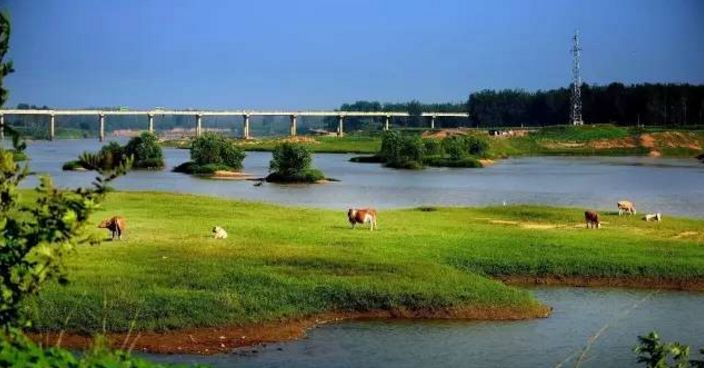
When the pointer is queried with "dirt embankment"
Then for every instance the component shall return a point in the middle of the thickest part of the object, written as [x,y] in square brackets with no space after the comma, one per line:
[653,142]
[225,339]
[625,282]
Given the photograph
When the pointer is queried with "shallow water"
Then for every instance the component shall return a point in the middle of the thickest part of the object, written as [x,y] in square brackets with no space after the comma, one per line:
[578,314]
[670,186]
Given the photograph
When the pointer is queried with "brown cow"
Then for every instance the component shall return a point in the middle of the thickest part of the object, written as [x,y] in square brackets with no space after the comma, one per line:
[592,219]
[362,216]
[116,225]
[626,207]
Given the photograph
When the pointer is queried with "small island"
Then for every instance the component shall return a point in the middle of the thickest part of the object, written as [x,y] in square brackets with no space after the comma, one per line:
[292,163]
[144,150]
[415,152]
[214,156]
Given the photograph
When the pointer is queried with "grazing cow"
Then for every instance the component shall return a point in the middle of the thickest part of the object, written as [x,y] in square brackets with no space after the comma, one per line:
[362,216]
[219,233]
[116,225]
[653,216]
[626,207]
[592,219]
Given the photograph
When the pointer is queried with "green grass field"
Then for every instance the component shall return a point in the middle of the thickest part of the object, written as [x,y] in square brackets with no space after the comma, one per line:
[282,262]
[346,144]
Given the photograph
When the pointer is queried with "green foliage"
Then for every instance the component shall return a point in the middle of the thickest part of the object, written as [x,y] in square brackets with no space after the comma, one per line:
[16,350]
[211,148]
[291,162]
[5,66]
[145,151]
[110,157]
[650,104]
[402,151]
[455,147]
[433,147]
[582,133]
[282,265]
[34,239]
[656,354]
[467,162]
[476,145]
[72,165]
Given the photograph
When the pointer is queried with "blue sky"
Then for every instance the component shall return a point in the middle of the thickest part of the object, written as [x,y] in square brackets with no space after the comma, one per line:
[319,54]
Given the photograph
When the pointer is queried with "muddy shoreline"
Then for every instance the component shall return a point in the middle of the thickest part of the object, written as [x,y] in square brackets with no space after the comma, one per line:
[224,339]
[616,282]
[214,340]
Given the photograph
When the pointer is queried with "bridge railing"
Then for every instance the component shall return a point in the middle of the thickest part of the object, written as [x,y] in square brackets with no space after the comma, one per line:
[200,114]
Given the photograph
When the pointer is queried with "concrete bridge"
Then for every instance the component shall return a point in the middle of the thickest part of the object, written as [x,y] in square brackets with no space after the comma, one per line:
[198,116]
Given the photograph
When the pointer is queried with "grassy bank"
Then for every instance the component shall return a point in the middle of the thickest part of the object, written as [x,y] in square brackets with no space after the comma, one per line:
[280,264]
[603,140]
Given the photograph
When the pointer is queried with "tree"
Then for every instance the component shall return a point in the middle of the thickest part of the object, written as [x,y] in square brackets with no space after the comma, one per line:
[5,66]
[213,149]
[656,354]
[146,151]
[291,162]
[35,238]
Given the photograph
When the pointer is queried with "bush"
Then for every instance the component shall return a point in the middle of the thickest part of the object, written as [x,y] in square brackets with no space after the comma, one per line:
[469,162]
[72,165]
[476,145]
[16,350]
[211,148]
[146,151]
[402,152]
[433,147]
[454,146]
[291,162]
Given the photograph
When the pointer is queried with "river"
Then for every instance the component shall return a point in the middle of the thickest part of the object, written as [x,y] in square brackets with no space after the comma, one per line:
[669,186]
[578,314]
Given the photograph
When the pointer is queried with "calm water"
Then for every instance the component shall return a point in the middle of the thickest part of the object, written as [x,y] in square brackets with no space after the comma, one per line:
[670,186]
[578,314]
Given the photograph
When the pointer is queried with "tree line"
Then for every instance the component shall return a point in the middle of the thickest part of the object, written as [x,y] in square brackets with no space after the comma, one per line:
[616,103]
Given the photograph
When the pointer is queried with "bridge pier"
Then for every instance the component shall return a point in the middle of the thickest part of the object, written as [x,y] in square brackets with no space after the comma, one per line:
[101,135]
[151,123]
[245,126]
[340,126]
[2,127]
[199,124]
[386,122]
[432,122]
[52,121]
[293,126]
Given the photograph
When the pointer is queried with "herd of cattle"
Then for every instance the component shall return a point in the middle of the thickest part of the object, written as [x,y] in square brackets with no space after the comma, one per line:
[591,217]
[117,224]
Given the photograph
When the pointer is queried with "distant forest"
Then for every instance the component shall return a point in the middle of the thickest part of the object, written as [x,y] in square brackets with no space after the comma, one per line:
[646,104]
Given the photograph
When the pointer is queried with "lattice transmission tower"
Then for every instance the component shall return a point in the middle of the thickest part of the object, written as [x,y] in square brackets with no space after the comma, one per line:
[576,96]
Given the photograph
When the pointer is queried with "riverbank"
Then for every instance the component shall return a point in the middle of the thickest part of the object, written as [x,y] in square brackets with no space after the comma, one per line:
[285,267]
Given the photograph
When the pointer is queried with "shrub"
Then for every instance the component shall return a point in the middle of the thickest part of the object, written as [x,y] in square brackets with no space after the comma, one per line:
[476,145]
[72,165]
[402,152]
[455,148]
[110,156]
[291,162]
[433,147]
[654,353]
[390,145]
[469,162]
[211,148]
[146,151]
